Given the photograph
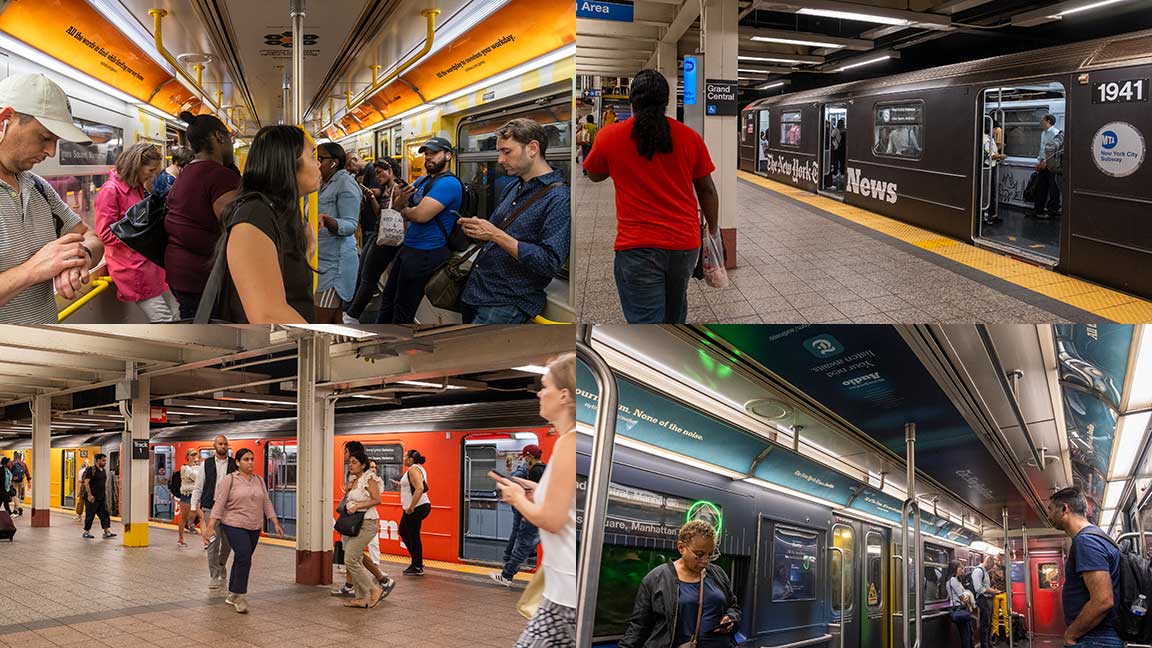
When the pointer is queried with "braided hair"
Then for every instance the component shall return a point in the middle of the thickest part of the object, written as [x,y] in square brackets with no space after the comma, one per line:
[649,99]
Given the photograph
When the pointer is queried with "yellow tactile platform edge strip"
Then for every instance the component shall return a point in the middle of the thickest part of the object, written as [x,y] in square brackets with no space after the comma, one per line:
[400,560]
[1100,301]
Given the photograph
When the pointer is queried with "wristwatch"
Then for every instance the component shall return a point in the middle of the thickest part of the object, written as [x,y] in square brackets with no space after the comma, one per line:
[88,252]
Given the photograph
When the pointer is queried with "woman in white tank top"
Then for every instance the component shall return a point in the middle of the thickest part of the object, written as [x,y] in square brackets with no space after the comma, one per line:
[552,508]
[414,500]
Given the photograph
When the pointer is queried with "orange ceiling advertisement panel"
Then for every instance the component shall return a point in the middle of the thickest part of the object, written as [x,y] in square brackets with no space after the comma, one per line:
[73,32]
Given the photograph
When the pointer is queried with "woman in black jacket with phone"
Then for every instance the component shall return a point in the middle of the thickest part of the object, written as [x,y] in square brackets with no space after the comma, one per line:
[687,602]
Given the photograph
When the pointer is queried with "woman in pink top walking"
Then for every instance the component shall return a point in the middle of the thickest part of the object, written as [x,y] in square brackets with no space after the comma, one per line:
[138,280]
[242,503]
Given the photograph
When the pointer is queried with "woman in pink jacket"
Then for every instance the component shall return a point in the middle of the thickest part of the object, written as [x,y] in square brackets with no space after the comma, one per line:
[138,280]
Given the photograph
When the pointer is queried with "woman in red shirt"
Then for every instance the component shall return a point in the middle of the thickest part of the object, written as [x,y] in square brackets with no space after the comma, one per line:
[138,280]
[660,168]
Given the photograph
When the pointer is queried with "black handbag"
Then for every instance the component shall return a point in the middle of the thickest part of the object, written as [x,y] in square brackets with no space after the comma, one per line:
[1030,188]
[443,290]
[349,524]
[142,227]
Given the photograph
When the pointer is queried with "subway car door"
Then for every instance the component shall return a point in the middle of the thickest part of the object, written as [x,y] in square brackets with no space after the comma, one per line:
[68,477]
[748,141]
[874,587]
[833,143]
[845,577]
[1046,571]
[163,463]
[280,475]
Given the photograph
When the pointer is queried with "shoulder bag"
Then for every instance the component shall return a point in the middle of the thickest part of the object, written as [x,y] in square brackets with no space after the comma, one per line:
[391,228]
[533,595]
[349,523]
[447,283]
[142,227]
[691,643]
[219,267]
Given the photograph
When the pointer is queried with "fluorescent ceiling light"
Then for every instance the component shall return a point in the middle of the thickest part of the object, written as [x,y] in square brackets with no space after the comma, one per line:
[767,86]
[421,383]
[215,405]
[336,329]
[1140,392]
[753,71]
[784,490]
[768,59]
[536,369]
[1086,7]
[1112,493]
[869,61]
[678,458]
[524,436]
[794,41]
[850,15]
[254,398]
[1130,430]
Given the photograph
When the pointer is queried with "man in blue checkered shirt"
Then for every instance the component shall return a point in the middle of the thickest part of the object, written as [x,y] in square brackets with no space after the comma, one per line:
[519,259]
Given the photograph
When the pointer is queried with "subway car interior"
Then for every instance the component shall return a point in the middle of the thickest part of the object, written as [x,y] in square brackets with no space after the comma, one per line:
[845,467]
[379,78]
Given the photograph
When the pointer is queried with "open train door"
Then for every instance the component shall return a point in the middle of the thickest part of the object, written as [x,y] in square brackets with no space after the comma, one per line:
[487,521]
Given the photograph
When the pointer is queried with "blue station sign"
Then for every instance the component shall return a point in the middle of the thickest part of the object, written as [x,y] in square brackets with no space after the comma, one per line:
[689,80]
[598,10]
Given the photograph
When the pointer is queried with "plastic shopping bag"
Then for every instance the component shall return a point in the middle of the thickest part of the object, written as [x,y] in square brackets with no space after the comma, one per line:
[391,230]
[713,255]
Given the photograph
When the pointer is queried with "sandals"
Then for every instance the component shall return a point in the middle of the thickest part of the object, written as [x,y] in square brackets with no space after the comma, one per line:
[375,600]
[358,603]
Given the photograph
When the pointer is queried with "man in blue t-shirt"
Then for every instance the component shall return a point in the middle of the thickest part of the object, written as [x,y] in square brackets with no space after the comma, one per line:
[433,205]
[1091,574]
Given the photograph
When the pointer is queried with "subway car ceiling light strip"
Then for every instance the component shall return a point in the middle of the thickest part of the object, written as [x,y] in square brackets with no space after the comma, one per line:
[795,41]
[1086,7]
[36,56]
[1140,394]
[458,24]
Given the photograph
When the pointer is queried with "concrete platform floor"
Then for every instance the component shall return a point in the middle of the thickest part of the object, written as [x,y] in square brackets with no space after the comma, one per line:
[58,589]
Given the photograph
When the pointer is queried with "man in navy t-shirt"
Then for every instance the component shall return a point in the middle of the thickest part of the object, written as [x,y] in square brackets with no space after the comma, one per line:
[1091,574]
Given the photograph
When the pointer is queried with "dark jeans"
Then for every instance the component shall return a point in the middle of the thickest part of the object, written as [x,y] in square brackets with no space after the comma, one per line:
[653,284]
[97,508]
[405,287]
[373,263]
[1047,192]
[410,533]
[493,314]
[189,302]
[994,202]
[521,544]
[985,605]
[1101,637]
[243,542]
[965,627]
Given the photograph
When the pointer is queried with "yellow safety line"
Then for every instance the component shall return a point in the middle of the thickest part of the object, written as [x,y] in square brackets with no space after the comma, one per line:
[400,560]
[1087,296]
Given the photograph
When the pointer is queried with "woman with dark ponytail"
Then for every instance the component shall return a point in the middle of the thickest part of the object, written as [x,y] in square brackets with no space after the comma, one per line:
[195,204]
[660,168]
[414,500]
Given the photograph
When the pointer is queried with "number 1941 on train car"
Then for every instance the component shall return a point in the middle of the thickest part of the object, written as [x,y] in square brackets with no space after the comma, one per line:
[1120,91]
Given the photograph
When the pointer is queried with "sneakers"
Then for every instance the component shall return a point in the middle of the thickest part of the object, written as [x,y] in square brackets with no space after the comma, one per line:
[346,590]
[240,602]
[108,534]
[88,535]
[498,577]
[414,571]
[215,583]
[231,599]
[387,584]
[181,543]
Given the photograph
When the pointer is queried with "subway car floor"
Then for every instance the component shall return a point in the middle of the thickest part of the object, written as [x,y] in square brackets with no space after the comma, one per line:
[58,589]
[804,258]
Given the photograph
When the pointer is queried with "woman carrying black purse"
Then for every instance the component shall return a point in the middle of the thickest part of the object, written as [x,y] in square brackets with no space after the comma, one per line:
[960,600]
[360,523]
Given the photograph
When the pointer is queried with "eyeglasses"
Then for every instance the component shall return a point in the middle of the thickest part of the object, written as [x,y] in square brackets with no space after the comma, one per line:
[710,557]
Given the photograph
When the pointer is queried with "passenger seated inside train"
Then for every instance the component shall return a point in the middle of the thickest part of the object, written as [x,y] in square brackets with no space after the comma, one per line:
[44,246]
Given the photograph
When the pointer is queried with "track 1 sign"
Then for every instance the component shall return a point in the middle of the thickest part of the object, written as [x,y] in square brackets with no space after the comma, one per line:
[597,10]
[720,98]
[1118,149]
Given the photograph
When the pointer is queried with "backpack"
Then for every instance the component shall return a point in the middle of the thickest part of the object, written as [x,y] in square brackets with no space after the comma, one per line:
[174,483]
[18,471]
[59,222]
[1135,579]
[966,579]
[456,240]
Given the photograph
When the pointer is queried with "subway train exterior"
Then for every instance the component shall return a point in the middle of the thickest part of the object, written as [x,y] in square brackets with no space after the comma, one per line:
[468,522]
[914,152]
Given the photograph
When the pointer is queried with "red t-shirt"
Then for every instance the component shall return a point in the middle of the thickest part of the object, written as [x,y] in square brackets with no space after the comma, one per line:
[192,226]
[655,200]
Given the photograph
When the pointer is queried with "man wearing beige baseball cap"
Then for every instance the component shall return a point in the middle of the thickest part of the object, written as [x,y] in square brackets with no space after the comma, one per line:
[44,245]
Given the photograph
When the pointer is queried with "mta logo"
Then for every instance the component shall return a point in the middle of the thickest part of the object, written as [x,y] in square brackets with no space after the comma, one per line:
[285,39]
[689,65]
[1110,139]
[823,346]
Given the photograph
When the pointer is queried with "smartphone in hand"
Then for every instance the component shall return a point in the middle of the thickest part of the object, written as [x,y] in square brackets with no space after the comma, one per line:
[498,474]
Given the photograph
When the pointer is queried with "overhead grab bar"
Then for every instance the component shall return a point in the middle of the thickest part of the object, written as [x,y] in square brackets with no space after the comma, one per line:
[803,642]
[378,84]
[1013,401]
[596,491]
[157,20]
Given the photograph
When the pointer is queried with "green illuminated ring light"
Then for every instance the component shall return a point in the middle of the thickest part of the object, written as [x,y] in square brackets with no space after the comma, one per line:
[708,512]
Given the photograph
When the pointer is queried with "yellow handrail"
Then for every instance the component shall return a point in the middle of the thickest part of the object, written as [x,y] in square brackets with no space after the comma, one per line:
[378,85]
[540,319]
[99,285]
[158,17]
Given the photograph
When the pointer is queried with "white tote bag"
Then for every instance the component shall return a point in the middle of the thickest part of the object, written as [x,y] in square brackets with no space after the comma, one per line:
[391,230]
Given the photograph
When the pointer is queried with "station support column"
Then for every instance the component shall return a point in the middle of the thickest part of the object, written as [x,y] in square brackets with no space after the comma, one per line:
[135,461]
[717,66]
[41,464]
[666,64]
[315,439]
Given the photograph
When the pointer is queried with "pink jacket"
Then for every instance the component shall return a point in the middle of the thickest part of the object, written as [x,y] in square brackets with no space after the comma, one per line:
[136,277]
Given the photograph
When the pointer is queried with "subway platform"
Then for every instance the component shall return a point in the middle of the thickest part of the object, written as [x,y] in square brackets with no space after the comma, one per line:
[58,589]
[803,258]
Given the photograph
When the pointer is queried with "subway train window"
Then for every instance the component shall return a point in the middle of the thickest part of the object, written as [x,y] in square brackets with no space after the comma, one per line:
[844,538]
[1048,575]
[874,549]
[935,582]
[899,129]
[389,460]
[790,128]
[1022,130]
[794,563]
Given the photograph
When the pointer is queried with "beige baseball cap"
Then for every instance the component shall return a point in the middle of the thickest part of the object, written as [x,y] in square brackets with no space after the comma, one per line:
[40,97]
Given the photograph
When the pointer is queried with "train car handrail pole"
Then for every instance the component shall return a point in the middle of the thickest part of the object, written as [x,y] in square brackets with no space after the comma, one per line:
[596,495]
[297,12]
[905,513]
[843,570]
[1027,575]
[1008,581]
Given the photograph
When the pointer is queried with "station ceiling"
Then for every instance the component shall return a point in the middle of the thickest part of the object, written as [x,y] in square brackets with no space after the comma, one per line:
[914,34]
[201,374]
